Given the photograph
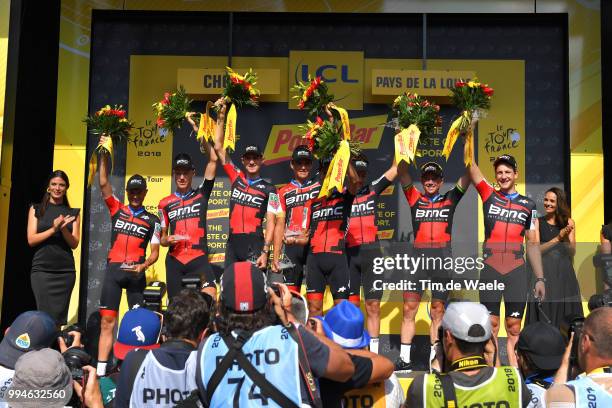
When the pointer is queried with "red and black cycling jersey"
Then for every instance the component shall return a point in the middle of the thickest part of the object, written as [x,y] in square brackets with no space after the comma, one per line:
[249,202]
[362,224]
[506,218]
[185,214]
[295,202]
[131,231]
[329,222]
[432,217]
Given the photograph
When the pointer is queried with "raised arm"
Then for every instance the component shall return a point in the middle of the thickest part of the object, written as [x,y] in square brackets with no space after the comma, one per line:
[475,174]
[353,178]
[382,367]
[211,166]
[105,186]
[404,174]
[222,155]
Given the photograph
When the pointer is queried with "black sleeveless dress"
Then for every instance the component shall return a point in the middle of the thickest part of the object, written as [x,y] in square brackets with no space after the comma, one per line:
[562,291]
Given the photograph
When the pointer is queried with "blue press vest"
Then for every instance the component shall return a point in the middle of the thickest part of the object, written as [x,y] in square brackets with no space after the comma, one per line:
[271,351]
[590,394]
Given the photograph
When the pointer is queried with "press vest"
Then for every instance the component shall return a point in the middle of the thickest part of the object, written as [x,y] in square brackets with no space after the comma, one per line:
[589,394]
[271,351]
[502,389]
[159,386]
[387,394]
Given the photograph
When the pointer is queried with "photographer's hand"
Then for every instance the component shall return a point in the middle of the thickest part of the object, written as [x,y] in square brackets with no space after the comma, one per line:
[90,396]
[561,375]
[282,304]
[76,341]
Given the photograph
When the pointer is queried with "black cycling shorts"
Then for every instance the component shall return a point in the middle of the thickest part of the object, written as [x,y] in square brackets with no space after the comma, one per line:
[298,254]
[242,247]
[325,268]
[356,258]
[197,267]
[514,292]
[116,279]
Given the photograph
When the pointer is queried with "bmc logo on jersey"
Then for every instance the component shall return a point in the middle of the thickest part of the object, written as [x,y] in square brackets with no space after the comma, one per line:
[248,198]
[506,213]
[193,209]
[362,207]
[301,198]
[327,212]
[131,227]
[432,213]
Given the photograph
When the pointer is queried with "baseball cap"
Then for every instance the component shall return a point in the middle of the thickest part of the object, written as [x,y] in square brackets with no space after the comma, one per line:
[139,329]
[136,182]
[468,321]
[343,324]
[432,167]
[507,159]
[543,344]
[42,370]
[301,153]
[252,149]
[243,287]
[182,160]
[31,330]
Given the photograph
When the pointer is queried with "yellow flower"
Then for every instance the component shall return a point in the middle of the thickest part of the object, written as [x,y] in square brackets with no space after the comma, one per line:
[397,100]
[473,84]
[123,120]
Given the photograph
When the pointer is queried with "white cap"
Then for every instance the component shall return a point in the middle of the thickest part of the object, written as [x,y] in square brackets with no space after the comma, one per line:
[468,321]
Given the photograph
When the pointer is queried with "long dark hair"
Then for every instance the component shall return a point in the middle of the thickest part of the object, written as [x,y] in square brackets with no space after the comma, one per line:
[562,212]
[44,203]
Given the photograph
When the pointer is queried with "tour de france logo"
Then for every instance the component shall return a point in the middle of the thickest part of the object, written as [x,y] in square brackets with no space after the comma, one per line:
[501,140]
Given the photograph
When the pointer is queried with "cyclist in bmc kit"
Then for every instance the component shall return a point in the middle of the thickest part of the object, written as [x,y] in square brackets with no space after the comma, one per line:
[252,199]
[432,222]
[326,260]
[361,236]
[133,227]
[295,198]
[509,218]
[183,217]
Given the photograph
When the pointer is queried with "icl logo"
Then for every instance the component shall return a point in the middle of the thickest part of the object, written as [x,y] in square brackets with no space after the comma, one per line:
[329,73]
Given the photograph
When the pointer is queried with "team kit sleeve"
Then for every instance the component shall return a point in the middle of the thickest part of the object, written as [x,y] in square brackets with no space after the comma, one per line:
[380,184]
[156,233]
[485,190]
[455,194]
[274,205]
[412,194]
[530,223]
[206,188]
[113,204]
[232,171]
[163,215]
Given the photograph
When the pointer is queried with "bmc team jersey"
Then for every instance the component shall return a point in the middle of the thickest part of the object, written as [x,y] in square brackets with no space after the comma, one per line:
[432,217]
[249,202]
[271,351]
[156,385]
[506,218]
[295,201]
[329,222]
[362,224]
[131,231]
[186,215]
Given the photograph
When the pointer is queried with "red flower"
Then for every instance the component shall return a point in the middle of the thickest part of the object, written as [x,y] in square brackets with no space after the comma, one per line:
[410,104]
[488,91]
[319,121]
[309,92]
[411,96]
[301,104]
[311,143]
[317,81]
[459,84]
[160,122]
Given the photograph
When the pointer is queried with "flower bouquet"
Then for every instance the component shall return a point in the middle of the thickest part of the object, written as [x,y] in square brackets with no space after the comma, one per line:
[415,117]
[312,96]
[240,89]
[110,121]
[474,100]
[172,109]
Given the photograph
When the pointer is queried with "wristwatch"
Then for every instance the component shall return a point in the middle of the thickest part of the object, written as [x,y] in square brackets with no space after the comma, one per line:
[543,280]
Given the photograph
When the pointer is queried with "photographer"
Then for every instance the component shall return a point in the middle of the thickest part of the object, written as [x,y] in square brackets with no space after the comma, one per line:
[539,352]
[250,342]
[165,376]
[466,328]
[594,388]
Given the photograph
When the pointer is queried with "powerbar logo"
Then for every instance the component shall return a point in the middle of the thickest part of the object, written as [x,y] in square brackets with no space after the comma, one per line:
[131,227]
[500,212]
[243,197]
[183,212]
[284,138]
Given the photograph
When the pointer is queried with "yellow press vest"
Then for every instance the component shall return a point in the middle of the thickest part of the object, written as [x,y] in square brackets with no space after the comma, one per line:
[502,390]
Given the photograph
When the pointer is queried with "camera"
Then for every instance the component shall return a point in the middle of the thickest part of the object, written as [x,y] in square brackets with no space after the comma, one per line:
[573,324]
[604,261]
[600,300]
[152,296]
[69,338]
[75,358]
[195,283]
